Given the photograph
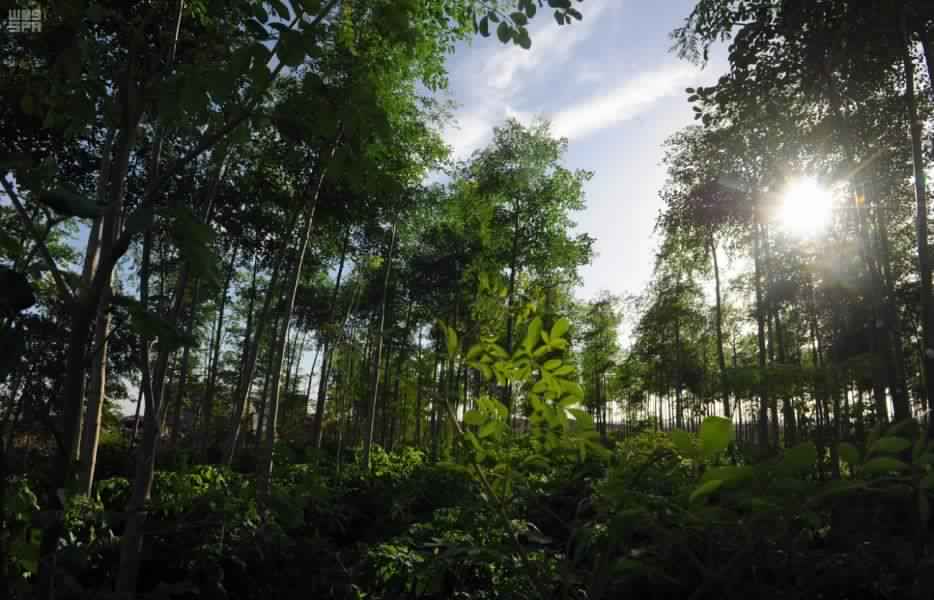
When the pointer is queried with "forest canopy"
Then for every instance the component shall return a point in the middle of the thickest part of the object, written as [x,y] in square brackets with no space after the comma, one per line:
[263,334]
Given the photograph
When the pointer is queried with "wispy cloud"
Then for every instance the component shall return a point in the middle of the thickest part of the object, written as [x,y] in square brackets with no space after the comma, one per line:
[551,46]
[621,103]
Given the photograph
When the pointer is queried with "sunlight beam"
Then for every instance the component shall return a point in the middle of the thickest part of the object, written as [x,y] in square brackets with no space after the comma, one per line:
[806,207]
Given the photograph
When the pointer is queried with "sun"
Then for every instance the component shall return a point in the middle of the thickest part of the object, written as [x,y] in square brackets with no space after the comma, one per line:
[806,207]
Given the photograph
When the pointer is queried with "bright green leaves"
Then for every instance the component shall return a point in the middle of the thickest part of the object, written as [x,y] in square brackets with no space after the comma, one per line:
[715,435]
[532,335]
[70,204]
[560,327]
[474,417]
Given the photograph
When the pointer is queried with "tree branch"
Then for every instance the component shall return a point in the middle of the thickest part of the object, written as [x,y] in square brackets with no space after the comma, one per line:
[63,289]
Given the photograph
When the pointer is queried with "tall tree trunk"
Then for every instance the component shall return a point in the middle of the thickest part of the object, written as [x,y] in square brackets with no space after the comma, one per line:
[273,409]
[510,299]
[207,402]
[760,334]
[251,353]
[95,400]
[721,358]
[418,392]
[924,265]
[182,386]
[316,428]
[368,440]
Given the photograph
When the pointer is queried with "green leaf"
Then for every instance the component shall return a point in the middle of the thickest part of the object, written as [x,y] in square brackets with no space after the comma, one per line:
[560,327]
[474,417]
[835,488]
[683,442]
[194,240]
[552,364]
[565,370]
[519,18]
[890,445]
[849,453]
[485,27]
[487,371]
[291,48]
[729,474]
[475,351]
[799,458]
[488,429]
[533,333]
[582,417]
[705,489]
[530,9]
[281,9]
[522,38]
[883,464]
[715,435]
[451,341]
[504,33]
[70,204]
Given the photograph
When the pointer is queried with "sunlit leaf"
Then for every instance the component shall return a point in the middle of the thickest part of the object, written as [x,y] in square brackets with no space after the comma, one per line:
[683,442]
[705,489]
[560,327]
[473,417]
[715,435]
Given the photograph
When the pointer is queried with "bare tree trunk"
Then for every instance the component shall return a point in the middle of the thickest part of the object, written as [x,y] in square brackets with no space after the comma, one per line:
[317,428]
[924,265]
[721,358]
[510,317]
[760,334]
[266,464]
[95,406]
[368,440]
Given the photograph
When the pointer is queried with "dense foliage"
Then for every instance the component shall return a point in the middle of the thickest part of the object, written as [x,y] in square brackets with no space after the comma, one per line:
[351,383]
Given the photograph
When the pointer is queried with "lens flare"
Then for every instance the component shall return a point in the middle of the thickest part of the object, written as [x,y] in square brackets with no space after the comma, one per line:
[806,207]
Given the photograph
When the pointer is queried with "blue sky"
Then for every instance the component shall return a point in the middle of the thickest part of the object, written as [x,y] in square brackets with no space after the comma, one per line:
[610,85]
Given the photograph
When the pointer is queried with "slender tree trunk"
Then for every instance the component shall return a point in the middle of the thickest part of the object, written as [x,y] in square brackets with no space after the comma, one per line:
[924,265]
[760,335]
[368,440]
[510,317]
[418,393]
[95,406]
[721,358]
[207,402]
[317,428]
[251,352]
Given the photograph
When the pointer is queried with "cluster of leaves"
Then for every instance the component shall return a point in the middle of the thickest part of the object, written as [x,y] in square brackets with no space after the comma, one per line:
[512,26]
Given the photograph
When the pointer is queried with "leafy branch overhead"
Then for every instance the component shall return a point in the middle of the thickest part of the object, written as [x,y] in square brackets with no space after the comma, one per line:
[512,26]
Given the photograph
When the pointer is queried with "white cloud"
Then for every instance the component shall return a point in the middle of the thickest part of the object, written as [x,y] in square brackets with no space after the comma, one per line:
[551,45]
[621,103]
